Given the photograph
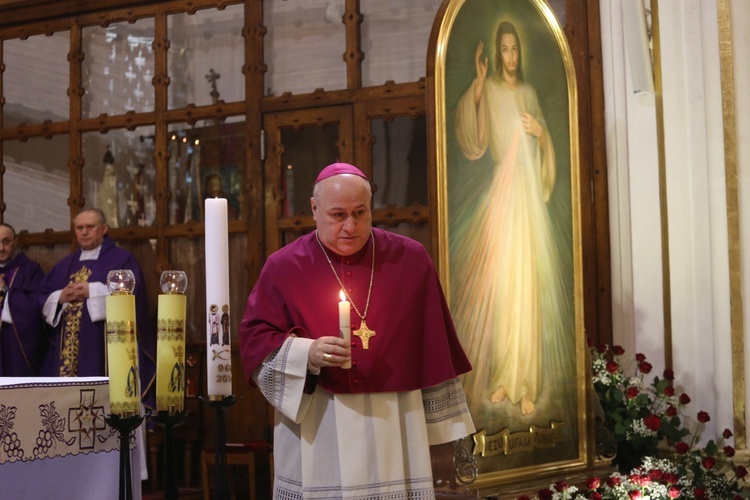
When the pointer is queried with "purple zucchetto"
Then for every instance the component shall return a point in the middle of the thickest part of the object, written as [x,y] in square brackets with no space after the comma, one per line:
[338,169]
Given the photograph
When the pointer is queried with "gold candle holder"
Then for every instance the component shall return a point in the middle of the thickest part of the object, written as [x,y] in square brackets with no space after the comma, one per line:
[170,347]
[122,348]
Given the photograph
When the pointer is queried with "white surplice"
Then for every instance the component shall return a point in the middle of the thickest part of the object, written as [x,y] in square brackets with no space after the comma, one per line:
[355,446]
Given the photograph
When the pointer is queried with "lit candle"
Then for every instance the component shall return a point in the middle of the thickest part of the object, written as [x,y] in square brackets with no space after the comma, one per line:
[218,338]
[345,327]
[122,349]
[170,347]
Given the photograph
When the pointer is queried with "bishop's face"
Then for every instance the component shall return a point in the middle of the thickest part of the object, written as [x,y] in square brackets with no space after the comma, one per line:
[341,209]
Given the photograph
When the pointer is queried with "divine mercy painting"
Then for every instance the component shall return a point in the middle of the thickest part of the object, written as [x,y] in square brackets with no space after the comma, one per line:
[506,120]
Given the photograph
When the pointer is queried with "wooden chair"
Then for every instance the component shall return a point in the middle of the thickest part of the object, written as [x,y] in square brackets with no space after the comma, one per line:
[237,454]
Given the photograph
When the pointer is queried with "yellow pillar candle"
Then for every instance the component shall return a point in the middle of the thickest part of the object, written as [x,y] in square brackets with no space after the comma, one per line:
[122,355]
[170,353]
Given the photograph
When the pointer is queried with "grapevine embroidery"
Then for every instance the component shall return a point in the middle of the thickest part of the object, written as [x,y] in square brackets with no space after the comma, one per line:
[11,443]
[53,428]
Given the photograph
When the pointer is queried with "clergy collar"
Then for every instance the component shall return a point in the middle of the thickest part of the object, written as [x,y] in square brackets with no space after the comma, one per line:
[92,254]
[8,262]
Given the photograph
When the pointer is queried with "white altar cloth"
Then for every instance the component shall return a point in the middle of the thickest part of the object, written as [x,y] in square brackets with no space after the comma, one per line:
[56,443]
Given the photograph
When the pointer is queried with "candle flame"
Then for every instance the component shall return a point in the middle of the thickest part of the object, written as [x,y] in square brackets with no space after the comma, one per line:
[342,295]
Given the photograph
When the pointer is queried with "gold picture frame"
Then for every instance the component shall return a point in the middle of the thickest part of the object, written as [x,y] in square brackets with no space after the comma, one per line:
[506,179]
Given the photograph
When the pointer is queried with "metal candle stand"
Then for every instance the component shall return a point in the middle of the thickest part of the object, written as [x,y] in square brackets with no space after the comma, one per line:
[125,427]
[219,406]
[169,421]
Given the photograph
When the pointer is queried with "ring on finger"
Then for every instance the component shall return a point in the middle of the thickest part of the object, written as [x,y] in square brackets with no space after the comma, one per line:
[327,357]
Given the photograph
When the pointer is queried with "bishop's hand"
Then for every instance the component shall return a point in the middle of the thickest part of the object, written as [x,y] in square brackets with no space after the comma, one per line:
[328,351]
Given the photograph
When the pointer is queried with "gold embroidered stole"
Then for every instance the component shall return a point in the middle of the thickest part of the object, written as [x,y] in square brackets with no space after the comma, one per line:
[71,329]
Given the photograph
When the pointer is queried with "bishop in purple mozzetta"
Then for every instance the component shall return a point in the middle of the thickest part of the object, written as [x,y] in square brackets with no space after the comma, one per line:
[374,422]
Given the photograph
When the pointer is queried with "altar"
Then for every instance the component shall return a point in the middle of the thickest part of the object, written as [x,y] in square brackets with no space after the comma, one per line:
[56,443]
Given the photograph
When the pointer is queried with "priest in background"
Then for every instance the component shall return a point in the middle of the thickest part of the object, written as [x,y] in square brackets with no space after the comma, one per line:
[22,333]
[365,431]
[74,304]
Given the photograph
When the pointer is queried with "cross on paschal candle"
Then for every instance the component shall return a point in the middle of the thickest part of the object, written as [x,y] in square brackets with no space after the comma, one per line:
[364,333]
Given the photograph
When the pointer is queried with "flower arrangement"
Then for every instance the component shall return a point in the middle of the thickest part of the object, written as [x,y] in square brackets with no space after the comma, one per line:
[641,416]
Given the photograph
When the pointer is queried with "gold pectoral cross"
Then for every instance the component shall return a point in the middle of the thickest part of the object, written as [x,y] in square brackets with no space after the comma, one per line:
[364,333]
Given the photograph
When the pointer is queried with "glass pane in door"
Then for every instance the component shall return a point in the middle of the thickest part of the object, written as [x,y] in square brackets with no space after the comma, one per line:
[206,55]
[304,46]
[119,175]
[206,160]
[118,68]
[36,184]
[399,161]
[306,152]
[36,79]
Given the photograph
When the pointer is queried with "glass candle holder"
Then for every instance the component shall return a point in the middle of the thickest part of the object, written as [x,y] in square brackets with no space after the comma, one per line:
[173,281]
[120,281]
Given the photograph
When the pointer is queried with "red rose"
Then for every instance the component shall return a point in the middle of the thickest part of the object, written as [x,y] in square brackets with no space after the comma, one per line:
[673,491]
[632,392]
[727,434]
[669,391]
[612,366]
[602,348]
[681,447]
[545,494]
[708,463]
[595,496]
[593,483]
[645,367]
[640,357]
[671,478]
[614,481]
[669,374]
[671,411]
[729,451]
[656,474]
[634,494]
[740,472]
[703,417]
[635,479]
[684,399]
[523,497]
[652,422]
[699,493]
[617,350]
[561,486]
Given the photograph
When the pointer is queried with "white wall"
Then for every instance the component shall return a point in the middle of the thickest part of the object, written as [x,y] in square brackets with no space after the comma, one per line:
[696,216]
